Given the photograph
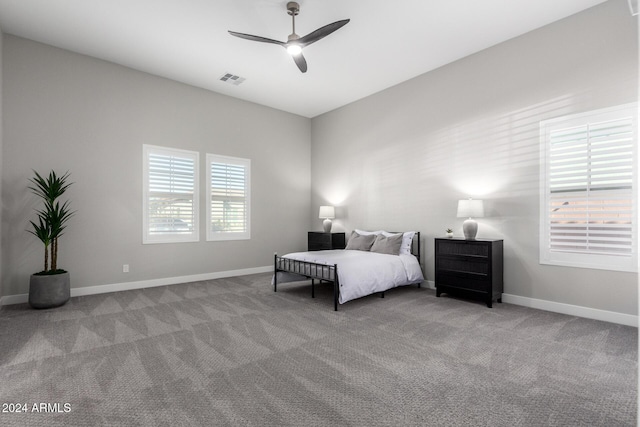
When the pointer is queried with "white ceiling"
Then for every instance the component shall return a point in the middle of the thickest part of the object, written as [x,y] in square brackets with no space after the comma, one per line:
[386,42]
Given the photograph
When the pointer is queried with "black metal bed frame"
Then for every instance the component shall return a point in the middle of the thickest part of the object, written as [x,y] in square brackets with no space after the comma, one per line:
[324,272]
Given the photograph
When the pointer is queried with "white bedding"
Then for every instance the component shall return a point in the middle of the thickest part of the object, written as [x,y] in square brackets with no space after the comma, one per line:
[362,273]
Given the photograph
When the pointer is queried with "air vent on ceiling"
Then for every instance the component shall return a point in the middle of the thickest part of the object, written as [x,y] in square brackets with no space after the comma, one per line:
[233,79]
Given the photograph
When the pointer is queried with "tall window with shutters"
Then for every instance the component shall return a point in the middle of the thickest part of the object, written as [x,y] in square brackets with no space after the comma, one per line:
[170,195]
[589,195]
[228,198]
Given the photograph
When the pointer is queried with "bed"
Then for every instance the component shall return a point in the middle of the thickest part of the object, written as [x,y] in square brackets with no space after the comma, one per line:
[358,272]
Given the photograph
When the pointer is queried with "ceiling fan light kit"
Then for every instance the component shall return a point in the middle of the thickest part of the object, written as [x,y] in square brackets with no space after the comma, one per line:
[294,49]
[295,43]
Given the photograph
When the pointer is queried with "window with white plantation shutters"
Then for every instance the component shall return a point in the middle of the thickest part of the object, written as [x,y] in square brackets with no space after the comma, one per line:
[228,198]
[589,198]
[170,201]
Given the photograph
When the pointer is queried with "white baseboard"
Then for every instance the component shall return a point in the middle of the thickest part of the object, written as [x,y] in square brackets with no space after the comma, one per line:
[127,286]
[573,310]
[14,299]
[556,307]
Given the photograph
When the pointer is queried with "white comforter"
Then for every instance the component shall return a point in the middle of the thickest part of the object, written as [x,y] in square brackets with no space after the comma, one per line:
[362,273]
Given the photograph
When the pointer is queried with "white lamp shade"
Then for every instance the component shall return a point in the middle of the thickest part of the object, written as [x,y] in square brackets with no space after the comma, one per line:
[327,212]
[470,208]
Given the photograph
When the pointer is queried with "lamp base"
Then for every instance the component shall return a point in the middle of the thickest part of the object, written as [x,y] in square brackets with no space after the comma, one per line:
[470,229]
[326,224]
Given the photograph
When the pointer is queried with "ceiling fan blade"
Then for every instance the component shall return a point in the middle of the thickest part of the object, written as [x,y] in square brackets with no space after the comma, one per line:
[300,62]
[256,38]
[316,35]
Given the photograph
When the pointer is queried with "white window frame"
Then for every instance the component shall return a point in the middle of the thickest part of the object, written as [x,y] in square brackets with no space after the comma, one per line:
[628,263]
[227,235]
[147,236]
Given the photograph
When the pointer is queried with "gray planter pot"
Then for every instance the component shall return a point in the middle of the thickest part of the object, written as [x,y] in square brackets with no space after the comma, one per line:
[49,291]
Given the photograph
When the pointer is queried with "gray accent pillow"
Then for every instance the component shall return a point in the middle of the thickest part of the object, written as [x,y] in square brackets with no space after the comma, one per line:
[358,242]
[387,244]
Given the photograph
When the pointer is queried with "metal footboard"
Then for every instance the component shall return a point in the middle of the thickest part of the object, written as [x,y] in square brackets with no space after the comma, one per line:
[310,270]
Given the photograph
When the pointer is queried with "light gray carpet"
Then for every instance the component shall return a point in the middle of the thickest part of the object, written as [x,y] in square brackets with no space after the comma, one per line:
[231,352]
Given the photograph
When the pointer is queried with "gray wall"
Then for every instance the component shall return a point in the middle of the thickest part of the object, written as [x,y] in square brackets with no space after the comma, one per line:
[401,159]
[66,111]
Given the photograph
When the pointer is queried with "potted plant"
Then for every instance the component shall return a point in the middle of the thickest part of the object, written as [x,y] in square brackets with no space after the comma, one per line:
[449,232]
[50,287]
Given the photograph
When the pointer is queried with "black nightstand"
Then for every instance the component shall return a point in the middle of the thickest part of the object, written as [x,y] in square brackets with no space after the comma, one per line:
[319,241]
[470,268]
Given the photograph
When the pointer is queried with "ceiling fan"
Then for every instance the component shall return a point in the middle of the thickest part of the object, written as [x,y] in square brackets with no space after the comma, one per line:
[295,43]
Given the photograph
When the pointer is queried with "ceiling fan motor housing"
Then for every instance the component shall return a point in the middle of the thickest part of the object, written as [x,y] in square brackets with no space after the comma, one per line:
[293,8]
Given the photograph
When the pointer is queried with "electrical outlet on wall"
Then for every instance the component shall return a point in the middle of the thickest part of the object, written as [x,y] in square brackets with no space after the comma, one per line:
[125,268]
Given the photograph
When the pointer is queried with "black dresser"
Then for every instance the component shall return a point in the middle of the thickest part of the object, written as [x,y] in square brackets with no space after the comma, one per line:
[470,268]
[319,241]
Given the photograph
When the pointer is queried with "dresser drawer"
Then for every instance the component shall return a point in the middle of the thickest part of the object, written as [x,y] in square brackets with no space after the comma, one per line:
[453,247]
[471,265]
[464,281]
[320,239]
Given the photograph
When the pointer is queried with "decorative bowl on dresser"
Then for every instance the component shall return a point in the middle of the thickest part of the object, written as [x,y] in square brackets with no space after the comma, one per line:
[469,268]
[320,241]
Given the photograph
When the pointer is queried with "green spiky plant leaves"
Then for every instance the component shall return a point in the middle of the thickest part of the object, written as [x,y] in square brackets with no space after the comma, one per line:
[52,218]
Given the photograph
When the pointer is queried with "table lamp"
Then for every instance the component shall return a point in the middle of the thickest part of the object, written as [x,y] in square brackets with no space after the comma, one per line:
[470,209]
[328,213]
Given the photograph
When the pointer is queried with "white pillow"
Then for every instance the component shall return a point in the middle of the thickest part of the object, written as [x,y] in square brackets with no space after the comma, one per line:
[407,238]
[368,233]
